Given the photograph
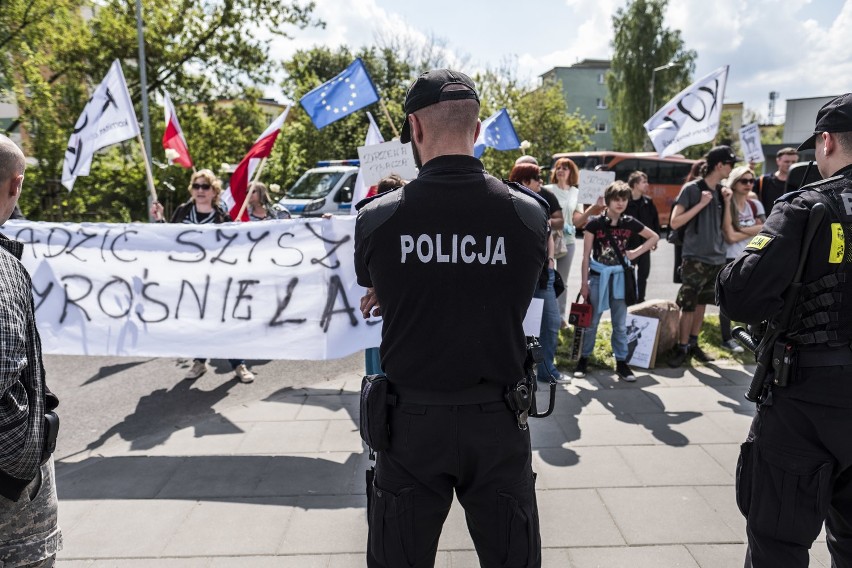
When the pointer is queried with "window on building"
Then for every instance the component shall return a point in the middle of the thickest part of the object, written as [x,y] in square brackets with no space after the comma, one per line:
[601,78]
[601,103]
[600,127]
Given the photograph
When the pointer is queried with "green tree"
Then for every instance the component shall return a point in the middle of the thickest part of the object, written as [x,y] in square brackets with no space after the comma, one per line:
[540,116]
[52,57]
[640,44]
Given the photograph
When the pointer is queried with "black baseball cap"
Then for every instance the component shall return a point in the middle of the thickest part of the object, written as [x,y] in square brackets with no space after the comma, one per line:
[834,116]
[431,88]
[720,155]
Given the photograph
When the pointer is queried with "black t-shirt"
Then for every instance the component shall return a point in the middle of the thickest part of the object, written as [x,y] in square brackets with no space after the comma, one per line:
[454,257]
[552,202]
[602,250]
[644,211]
[768,189]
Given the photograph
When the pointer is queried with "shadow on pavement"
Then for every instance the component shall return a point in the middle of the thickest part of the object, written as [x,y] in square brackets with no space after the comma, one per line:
[109,370]
[213,478]
[143,427]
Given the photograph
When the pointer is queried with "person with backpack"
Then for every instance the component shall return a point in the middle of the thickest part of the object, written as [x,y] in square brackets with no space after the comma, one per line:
[699,207]
[742,219]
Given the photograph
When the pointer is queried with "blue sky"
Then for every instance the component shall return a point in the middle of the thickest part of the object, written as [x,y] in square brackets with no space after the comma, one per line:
[798,48]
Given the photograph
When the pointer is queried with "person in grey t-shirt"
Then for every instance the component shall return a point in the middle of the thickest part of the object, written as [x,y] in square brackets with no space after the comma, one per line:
[699,207]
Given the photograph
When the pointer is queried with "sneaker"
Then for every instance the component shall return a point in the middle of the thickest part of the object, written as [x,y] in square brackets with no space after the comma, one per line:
[564,379]
[581,368]
[198,368]
[732,346]
[678,356]
[624,372]
[699,354]
[244,374]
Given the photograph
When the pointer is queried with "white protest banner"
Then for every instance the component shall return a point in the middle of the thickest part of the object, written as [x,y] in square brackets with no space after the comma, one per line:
[593,184]
[750,143]
[267,290]
[691,117]
[392,157]
[374,136]
[107,119]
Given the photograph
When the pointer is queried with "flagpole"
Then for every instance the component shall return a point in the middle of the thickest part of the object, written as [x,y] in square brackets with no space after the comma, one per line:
[148,172]
[249,189]
[388,116]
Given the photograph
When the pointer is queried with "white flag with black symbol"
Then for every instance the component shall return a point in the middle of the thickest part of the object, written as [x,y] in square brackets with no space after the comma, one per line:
[108,118]
[691,117]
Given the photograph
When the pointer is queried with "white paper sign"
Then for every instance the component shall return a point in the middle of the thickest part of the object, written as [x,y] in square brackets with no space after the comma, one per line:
[750,143]
[532,320]
[641,340]
[593,184]
[387,158]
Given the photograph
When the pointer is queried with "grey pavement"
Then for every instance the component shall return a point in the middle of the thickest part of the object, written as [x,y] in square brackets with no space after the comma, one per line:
[637,475]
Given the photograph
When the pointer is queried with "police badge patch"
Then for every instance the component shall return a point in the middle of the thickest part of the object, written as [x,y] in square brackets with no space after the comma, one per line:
[759,242]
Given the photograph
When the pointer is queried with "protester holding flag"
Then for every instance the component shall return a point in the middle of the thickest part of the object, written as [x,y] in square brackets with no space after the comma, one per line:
[260,206]
[203,207]
[173,137]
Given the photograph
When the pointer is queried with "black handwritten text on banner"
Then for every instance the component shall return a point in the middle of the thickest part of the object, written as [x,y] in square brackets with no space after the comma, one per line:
[268,290]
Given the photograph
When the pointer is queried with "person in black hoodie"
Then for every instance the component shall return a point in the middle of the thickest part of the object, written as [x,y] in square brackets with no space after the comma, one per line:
[642,208]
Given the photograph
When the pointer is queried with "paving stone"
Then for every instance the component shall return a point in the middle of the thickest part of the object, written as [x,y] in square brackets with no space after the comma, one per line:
[582,467]
[616,401]
[131,477]
[725,455]
[265,411]
[124,529]
[211,477]
[718,555]
[246,528]
[609,430]
[327,524]
[275,438]
[665,515]
[691,399]
[723,500]
[330,407]
[633,556]
[328,473]
[683,428]
[575,517]
[666,465]
[342,436]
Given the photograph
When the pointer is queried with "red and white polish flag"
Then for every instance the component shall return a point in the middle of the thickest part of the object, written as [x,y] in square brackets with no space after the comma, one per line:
[173,137]
[261,148]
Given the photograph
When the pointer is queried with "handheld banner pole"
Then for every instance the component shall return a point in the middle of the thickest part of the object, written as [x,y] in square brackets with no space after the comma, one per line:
[257,173]
[149,174]
[388,116]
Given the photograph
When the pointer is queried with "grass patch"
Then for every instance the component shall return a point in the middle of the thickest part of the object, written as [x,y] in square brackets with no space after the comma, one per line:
[709,340]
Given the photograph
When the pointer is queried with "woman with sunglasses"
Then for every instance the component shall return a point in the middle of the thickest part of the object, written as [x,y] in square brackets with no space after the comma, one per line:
[529,175]
[742,219]
[203,207]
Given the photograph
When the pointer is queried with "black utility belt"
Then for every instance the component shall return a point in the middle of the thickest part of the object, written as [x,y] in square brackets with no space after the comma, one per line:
[824,357]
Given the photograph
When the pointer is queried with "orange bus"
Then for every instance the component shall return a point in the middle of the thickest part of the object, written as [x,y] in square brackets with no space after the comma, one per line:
[665,175]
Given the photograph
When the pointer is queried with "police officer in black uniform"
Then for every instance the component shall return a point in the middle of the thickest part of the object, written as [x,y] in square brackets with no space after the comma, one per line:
[795,468]
[452,260]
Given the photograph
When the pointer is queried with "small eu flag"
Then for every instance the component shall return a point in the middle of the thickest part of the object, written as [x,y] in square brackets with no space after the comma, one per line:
[341,96]
[497,132]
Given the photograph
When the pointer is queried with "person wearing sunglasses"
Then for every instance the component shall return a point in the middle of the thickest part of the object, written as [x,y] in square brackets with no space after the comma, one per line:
[202,208]
[742,219]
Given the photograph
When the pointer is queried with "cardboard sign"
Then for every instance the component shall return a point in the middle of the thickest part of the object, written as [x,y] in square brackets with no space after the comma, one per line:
[380,160]
[642,340]
[593,184]
[750,142]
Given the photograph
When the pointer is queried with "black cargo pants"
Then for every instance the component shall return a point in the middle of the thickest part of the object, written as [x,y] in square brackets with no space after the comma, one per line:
[794,472]
[476,450]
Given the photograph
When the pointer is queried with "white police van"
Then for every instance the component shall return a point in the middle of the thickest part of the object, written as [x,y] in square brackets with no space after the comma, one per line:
[326,188]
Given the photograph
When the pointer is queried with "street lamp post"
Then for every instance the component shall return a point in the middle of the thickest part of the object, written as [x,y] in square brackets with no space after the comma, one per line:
[672,63]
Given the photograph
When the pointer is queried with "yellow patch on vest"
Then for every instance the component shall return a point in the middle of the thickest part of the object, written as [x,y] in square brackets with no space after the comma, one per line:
[759,242]
[838,244]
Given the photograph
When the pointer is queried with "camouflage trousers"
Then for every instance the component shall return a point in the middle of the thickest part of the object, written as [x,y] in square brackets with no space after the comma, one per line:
[29,528]
[698,284]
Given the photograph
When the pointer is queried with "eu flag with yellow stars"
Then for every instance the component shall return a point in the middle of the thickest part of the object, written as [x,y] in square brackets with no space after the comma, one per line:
[497,132]
[349,91]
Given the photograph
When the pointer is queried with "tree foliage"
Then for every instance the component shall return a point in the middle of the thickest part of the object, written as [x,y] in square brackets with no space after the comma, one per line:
[53,53]
[642,43]
[540,117]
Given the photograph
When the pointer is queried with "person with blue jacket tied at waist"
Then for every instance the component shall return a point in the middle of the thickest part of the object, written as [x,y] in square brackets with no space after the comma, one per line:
[603,273]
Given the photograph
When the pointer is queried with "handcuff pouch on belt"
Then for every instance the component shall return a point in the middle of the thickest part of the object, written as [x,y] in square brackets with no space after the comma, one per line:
[374,412]
[520,397]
